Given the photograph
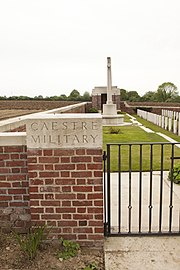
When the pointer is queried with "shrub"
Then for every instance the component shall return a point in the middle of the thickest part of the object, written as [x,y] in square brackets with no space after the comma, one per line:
[175,175]
[114,130]
[30,243]
[70,249]
[93,110]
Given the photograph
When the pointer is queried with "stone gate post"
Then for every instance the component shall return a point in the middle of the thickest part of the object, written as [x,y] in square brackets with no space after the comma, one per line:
[65,174]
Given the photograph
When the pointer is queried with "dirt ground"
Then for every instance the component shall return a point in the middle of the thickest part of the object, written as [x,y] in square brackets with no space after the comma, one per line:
[5,114]
[12,258]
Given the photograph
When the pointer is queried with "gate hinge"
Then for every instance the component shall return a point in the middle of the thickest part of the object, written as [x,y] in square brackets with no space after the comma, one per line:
[104,156]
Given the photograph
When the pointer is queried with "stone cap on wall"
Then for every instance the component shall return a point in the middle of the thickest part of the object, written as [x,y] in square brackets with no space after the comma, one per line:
[64,131]
[12,138]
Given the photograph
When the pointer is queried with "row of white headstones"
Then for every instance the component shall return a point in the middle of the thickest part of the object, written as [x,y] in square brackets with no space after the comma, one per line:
[168,120]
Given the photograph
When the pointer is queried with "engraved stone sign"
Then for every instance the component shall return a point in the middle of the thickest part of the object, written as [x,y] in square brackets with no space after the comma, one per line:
[65,131]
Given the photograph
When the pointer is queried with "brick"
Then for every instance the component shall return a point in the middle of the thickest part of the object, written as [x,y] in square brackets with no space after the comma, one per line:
[81,181]
[32,174]
[66,216]
[4,170]
[15,163]
[37,210]
[65,159]
[47,152]
[49,196]
[66,189]
[79,159]
[68,223]
[98,159]
[32,160]
[82,203]
[18,204]
[35,167]
[49,167]
[82,237]
[65,196]
[96,223]
[96,236]
[36,182]
[82,230]
[65,210]
[94,166]
[48,174]
[16,184]
[95,210]
[66,203]
[13,149]
[3,204]
[65,181]
[99,230]
[35,217]
[48,160]
[65,174]
[3,191]
[94,196]
[34,152]
[80,166]
[49,181]
[50,203]
[81,196]
[4,156]
[51,216]
[49,210]
[82,189]
[98,203]
[34,203]
[17,177]
[67,230]
[95,152]
[80,152]
[81,210]
[81,174]
[14,156]
[98,188]
[65,167]
[82,216]
[62,152]
[16,191]
[95,181]
[33,189]
[16,170]
[98,174]
[34,196]
[5,184]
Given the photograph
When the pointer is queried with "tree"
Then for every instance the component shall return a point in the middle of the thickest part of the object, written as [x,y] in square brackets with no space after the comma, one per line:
[133,96]
[149,96]
[74,95]
[167,92]
[86,96]
[123,94]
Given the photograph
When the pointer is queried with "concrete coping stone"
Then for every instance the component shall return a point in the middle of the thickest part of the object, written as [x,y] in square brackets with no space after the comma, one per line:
[12,138]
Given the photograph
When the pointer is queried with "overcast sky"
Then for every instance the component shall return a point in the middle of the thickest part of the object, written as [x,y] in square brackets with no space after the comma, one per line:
[50,47]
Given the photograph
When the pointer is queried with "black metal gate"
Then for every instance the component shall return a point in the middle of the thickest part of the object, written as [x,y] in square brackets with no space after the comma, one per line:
[140,196]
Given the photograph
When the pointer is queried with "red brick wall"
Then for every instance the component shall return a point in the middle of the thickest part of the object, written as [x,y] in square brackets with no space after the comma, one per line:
[66,192]
[14,188]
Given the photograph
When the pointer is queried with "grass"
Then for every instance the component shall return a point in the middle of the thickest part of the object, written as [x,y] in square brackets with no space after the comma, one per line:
[134,134]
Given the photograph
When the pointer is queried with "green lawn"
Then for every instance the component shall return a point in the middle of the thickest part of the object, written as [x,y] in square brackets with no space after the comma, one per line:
[134,134]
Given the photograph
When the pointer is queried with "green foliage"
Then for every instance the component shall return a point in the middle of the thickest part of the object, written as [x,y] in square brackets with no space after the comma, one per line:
[114,130]
[93,110]
[175,174]
[30,243]
[70,249]
[166,92]
[91,266]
